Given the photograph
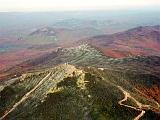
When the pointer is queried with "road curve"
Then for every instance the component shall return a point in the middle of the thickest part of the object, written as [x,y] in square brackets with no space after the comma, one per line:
[126,96]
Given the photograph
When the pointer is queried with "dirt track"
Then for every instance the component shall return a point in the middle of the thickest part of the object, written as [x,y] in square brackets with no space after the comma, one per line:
[24,97]
[140,105]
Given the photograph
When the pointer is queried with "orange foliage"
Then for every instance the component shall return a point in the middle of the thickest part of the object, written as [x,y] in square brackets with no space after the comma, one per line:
[152,92]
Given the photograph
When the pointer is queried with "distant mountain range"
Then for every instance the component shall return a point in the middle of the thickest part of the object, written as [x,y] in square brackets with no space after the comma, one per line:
[144,40]
[137,41]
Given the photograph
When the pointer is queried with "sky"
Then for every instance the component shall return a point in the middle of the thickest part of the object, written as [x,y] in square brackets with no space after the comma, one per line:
[71,5]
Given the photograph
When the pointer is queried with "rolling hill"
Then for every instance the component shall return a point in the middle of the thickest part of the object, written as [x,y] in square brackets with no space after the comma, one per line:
[143,40]
[137,41]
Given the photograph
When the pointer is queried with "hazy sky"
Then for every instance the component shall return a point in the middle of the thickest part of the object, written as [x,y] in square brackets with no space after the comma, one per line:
[49,5]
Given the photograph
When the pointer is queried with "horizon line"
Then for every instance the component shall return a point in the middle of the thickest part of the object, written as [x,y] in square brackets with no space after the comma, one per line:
[145,8]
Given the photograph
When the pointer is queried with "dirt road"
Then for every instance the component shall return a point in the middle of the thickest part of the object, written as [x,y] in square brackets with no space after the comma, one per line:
[25,97]
[140,105]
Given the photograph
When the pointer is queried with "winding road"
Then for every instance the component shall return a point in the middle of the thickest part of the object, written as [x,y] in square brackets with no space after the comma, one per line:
[140,105]
[127,95]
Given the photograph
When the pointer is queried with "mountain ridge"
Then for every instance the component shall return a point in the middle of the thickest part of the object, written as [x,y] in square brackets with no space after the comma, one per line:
[137,41]
[69,80]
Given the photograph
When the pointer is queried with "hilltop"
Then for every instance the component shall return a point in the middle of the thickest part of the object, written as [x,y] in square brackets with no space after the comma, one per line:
[143,40]
[68,92]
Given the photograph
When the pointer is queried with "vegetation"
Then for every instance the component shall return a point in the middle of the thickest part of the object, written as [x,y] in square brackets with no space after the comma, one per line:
[69,93]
